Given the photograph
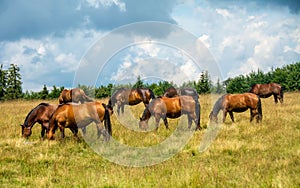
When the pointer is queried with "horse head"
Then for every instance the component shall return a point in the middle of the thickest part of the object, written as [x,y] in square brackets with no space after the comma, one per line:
[213,117]
[26,131]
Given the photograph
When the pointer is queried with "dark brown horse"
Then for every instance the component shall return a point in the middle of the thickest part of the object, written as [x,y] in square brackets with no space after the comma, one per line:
[74,116]
[237,103]
[125,96]
[75,95]
[164,107]
[266,90]
[40,114]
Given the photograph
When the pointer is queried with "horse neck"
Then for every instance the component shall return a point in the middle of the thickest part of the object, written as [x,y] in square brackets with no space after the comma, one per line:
[146,115]
[30,119]
[218,106]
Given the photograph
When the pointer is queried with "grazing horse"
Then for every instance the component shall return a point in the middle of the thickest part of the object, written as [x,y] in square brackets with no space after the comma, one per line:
[237,103]
[75,95]
[266,90]
[165,107]
[130,97]
[74,116]
[41,114]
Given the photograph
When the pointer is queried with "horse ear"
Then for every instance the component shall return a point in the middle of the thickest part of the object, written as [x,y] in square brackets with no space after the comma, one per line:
[140,119]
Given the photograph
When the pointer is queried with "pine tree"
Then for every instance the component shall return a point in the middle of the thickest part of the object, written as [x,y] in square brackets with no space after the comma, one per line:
[139,83]
[14,84]
[44,93]
[3,82]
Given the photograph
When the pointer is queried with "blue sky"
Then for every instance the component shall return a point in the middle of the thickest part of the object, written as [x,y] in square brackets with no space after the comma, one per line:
[49,39]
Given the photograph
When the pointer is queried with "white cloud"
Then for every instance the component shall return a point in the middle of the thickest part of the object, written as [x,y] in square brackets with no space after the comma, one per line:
[224,12]
[205,39]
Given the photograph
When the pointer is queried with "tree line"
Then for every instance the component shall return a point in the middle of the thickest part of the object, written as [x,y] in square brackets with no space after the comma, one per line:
[288,76]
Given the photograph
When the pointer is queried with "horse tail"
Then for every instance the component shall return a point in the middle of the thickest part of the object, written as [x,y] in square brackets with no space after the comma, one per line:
[151,94]
[107,122]
[259,108]
[197,110]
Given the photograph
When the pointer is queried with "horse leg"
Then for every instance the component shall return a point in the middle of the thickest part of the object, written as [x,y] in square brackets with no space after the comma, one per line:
[122,108]
[275,98]
[166,123]
[253,113]
[75,133]
[157,118]
[83,129]
[231,116]
[118,109]
[43,132]
[224,115]
[190,118]
[103,131]
[62,132]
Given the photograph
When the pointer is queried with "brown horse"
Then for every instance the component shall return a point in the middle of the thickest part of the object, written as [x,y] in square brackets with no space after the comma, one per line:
[165,107]
[74,116]
[75,95]
[266,90]
[173,92]
[237,103]
[41,114]
[130,97]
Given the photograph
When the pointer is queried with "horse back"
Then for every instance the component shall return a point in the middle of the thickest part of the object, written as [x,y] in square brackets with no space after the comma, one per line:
[240,102]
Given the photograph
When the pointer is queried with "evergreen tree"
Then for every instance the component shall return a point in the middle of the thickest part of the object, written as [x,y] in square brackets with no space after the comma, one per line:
[219,87]
[204,84]
[44,93]
[139,83]
[14,84]
[3,81]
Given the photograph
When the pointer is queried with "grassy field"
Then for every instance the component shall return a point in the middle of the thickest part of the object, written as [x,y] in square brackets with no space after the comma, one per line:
[243,154]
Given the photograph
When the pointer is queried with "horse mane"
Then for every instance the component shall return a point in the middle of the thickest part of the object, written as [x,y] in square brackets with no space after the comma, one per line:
[41,104]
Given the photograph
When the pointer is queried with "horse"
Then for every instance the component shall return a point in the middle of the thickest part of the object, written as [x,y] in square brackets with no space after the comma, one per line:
[74,116]
[237,103]
[164,107]
[173,92]
[75,95]
[130,97]
[266,90]
[41,114]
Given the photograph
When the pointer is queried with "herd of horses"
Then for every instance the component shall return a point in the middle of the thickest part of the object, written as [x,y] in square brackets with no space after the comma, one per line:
[76,110]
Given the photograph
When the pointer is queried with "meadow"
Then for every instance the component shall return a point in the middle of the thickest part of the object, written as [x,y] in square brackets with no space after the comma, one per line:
[243,154]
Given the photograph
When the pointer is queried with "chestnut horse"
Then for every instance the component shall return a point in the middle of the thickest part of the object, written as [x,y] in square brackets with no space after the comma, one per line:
[75,95]
[74,116]
[266,90]
[130,97]
[237,103]
[41,114]
[173,92]
[165,107]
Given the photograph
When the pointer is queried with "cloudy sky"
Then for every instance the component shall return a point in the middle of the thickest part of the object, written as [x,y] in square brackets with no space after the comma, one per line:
[52,40]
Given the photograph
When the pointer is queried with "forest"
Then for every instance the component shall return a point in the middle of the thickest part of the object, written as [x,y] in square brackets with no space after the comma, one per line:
[288,76]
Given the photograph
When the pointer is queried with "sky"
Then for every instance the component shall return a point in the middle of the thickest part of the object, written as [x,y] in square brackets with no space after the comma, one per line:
[64,43]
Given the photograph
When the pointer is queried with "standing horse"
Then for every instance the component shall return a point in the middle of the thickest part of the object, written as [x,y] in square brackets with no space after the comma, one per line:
[74,116]
[237,103]
[266,90]
[41,114]
[164,107]
[130,97]
[75,95]
[172,92]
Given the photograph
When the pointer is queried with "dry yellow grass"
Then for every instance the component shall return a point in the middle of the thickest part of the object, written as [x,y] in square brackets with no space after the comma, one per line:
[243,154]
